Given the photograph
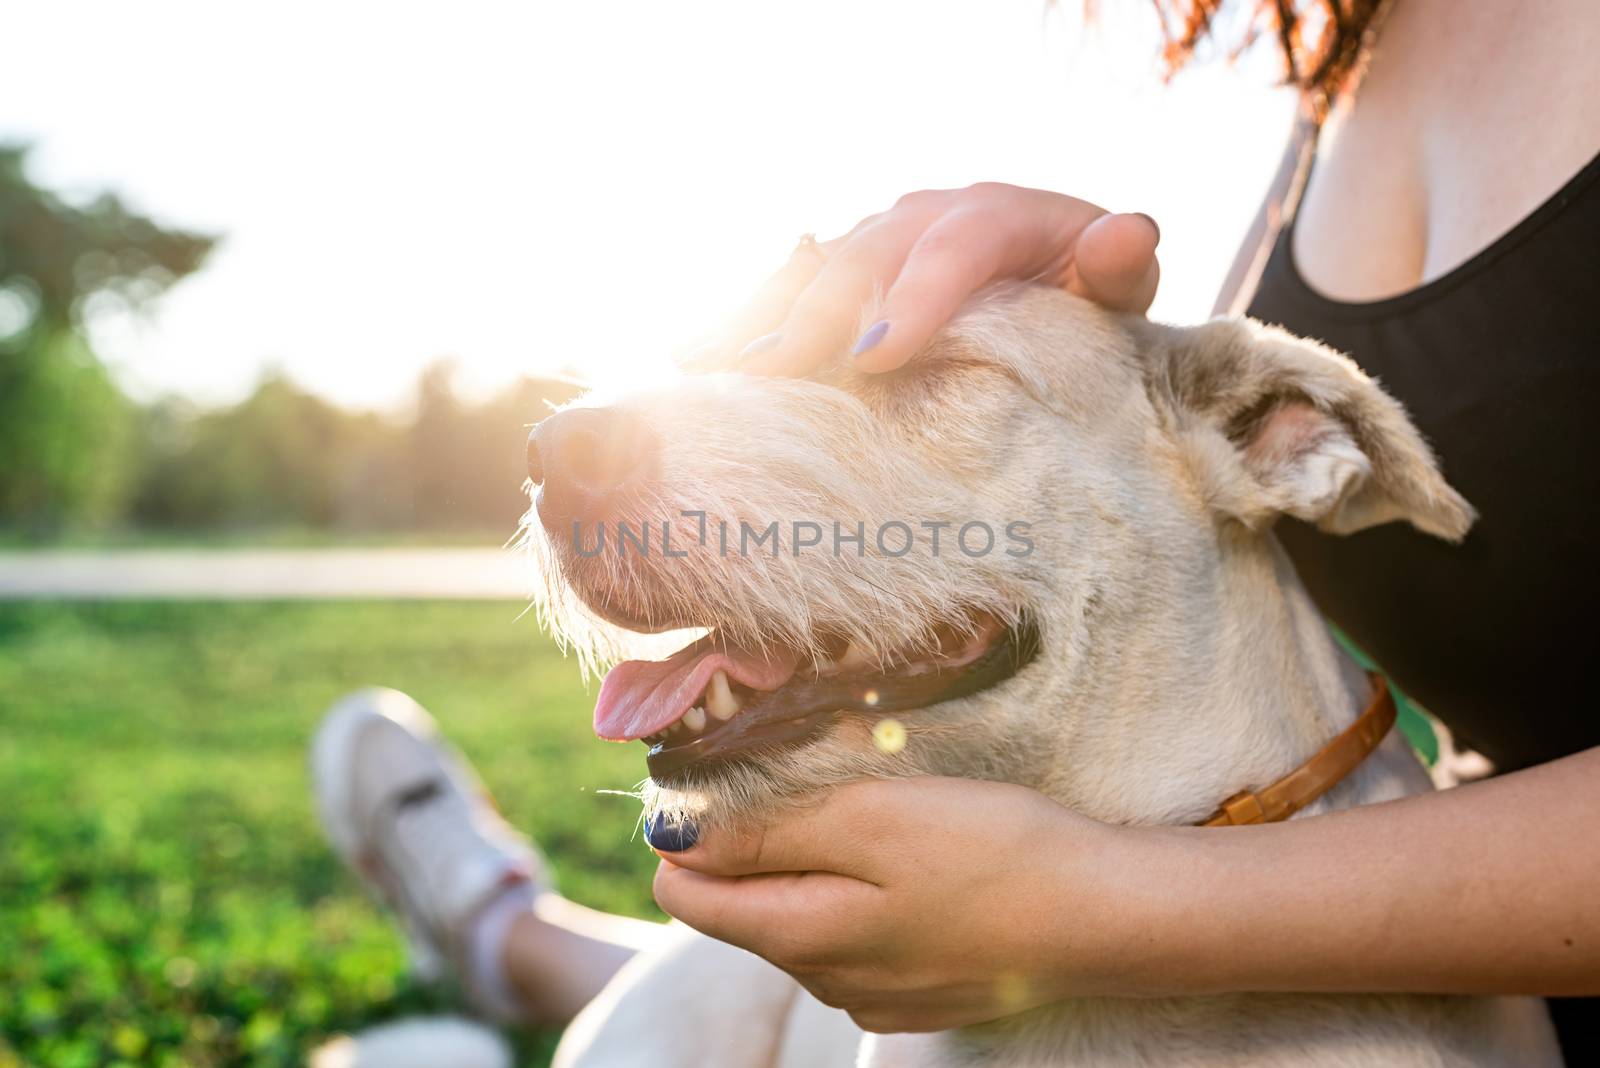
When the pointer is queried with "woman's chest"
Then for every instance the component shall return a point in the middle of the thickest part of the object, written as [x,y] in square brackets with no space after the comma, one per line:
[1469,118]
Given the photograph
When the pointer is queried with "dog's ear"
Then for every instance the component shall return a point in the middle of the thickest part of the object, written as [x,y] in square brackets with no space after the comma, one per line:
[1277,425]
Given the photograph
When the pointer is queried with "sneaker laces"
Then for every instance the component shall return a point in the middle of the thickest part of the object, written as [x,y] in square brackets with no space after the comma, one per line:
[445,864]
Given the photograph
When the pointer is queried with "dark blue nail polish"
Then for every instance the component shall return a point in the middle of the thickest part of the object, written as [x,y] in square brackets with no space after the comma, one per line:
[671,835]
[868,340]
[764,343]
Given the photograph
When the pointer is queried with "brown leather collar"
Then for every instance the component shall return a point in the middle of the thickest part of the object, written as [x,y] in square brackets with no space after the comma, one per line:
[1318,775]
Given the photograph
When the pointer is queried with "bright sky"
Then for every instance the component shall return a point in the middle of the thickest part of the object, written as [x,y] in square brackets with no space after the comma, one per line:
[525,186]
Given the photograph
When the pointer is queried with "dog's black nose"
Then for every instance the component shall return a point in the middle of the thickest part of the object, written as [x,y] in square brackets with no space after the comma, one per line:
[583,459]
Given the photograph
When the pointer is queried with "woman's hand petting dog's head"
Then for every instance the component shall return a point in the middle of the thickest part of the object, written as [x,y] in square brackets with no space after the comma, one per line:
[919,262]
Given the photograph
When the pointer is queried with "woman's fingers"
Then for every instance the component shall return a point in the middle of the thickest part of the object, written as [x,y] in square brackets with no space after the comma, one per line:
[780,889]
[784,917]
[826,314]
[1009,233]
[952,259]
[771,304]
[925,257]
[847,832]
[1115,262]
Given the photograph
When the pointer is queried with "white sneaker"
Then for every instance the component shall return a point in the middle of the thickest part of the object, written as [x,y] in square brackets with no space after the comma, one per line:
[409,817]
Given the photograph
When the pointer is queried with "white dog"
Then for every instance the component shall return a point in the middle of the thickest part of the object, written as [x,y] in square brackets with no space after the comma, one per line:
[1106,619]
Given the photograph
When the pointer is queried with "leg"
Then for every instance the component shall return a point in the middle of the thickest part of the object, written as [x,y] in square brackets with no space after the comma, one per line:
[411,819]
[690,1001]
[560,954]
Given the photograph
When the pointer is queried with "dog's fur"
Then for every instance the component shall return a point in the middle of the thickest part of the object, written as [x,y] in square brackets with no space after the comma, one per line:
[1180,658]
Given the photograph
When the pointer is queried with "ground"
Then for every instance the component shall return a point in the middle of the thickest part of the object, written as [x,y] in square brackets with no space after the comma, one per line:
[165,895]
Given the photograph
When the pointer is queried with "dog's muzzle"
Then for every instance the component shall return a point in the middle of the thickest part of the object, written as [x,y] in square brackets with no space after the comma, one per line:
[584,461]
[805,706]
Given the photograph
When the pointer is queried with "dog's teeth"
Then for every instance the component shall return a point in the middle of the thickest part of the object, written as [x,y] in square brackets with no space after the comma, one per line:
[720,701]
[695,719]
[855,656]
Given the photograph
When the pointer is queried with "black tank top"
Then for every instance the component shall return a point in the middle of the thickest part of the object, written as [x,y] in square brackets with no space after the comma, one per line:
[1498,363]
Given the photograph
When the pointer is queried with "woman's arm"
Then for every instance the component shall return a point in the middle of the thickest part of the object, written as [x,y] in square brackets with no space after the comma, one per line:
[1490,888]
[1487,888]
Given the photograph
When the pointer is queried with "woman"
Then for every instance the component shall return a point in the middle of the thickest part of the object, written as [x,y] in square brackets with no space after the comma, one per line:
[1446,238]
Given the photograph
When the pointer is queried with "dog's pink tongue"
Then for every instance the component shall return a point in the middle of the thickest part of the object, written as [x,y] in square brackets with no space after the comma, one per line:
[642,697]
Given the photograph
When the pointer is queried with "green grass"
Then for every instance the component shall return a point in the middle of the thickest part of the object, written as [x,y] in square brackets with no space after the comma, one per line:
[165,895]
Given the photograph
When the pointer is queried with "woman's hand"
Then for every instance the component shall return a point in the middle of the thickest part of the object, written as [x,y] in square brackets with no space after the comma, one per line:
[921,904]
[926,256]
[918,904]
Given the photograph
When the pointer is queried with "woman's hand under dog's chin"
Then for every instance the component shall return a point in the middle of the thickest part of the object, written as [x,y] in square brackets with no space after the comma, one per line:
[924,904]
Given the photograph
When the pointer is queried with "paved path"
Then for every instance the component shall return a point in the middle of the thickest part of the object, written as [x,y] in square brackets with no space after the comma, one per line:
[242,574]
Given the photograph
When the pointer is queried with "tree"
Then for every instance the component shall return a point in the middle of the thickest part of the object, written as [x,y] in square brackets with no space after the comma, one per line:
[68,437]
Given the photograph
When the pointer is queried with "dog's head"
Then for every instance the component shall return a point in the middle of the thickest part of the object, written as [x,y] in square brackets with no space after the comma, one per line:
[912,572]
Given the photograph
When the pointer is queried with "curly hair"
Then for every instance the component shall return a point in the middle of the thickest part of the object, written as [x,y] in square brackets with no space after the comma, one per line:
[1320,42]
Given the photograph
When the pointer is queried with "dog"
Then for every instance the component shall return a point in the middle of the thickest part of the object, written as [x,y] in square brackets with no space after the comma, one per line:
[1106,619]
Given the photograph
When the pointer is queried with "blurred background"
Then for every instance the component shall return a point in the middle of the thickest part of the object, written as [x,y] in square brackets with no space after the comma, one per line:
[282,288]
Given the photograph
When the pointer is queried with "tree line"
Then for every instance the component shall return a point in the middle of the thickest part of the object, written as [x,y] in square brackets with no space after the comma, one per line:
[77,454]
